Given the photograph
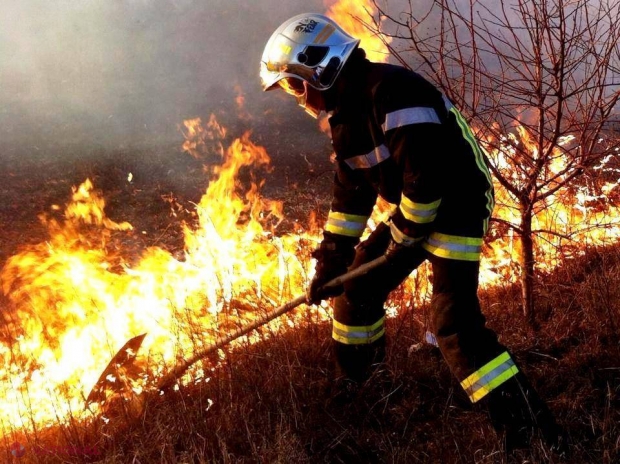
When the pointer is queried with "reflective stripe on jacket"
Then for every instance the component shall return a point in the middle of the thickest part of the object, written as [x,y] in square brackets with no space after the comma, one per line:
[396,136]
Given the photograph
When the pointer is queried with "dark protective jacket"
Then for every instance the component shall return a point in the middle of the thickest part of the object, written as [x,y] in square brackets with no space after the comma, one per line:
[395,135]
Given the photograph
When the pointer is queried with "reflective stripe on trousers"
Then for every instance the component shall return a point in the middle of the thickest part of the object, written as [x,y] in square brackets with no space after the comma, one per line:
[489,377]
[358,334]
[454,246]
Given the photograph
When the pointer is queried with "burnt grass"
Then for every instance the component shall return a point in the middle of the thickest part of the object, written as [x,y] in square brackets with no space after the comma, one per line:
[277,400]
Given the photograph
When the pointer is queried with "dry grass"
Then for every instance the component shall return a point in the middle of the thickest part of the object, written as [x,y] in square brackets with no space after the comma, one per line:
[278,402]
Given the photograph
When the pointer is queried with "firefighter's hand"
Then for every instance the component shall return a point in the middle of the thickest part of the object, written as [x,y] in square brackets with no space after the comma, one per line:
[331,263]
[317,291]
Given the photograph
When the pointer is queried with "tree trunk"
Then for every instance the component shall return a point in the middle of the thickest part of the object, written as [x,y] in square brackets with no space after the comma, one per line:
[526,258]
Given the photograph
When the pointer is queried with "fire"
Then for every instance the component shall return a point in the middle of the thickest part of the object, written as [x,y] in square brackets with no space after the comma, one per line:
[200,140]
[242,112]
[567,222]
[76,298]
[351,15]
[570,221]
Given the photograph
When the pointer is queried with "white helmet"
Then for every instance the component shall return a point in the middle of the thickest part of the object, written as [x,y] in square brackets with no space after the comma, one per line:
[307,50]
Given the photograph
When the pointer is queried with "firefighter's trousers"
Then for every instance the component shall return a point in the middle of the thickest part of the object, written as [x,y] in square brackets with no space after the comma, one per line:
[480,363]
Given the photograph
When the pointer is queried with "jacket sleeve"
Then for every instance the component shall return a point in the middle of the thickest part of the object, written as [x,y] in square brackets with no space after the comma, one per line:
[411,121]
[353,200]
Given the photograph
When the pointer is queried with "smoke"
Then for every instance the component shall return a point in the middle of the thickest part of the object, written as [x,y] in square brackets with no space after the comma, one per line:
[127,72]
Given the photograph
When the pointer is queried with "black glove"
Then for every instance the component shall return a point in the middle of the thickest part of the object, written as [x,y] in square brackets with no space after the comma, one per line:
[333,259]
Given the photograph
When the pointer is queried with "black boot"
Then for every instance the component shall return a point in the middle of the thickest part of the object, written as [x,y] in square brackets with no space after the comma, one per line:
[517,411]
[358,362]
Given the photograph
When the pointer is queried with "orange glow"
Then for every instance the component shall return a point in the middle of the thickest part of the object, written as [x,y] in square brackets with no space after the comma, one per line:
[77,297]
[568,221]
[242,112]
[200,140]
[348,14]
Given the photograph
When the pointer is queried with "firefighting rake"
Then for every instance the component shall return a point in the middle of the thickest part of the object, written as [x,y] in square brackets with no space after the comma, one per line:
[123,360]
[181,367]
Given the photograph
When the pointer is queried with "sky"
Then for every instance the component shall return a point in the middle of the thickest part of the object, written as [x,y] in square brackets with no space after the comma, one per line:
[123,73]
[117,73]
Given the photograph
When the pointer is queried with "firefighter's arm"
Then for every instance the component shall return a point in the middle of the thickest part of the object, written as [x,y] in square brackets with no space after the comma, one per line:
[352,204]
[414,135]
[421,196]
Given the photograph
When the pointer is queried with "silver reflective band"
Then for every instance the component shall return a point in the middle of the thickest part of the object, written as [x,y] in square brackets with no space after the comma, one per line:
[489,377]
[454,246]
[421,213]
[358,334]
[379,154]
[407,116]
[366,335]
[347,224]
[447,102]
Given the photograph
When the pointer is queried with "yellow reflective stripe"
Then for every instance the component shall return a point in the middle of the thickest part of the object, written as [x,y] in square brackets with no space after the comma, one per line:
[468,135]
[421,206]
[488,367]
[357,334]
[417,218]
[400,237]
[358,328]
[421,213]
[473,241]
[454,246]
[351,225]
[490,376]
[358,341]
[497,381]
[348,217]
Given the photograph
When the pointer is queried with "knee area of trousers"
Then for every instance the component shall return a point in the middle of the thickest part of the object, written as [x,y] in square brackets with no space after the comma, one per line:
[450,312]
[442,311]
[358,298]
[342,304]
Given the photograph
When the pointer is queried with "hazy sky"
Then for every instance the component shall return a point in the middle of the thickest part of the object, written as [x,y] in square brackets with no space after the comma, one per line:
[128,71]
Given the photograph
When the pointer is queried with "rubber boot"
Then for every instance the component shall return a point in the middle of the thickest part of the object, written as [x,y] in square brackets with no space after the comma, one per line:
[357,362]
[517,411]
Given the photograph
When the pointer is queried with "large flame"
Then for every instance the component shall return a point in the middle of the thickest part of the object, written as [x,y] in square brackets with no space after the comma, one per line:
[565,223]
[78,297]
[352,15]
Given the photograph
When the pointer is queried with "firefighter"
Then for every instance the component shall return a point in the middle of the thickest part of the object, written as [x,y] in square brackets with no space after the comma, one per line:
[396,136]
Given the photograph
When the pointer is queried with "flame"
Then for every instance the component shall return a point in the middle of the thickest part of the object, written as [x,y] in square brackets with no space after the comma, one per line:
[242,112]
[79,296]
[200,140]
[566,223]
[351,15]
[76,298]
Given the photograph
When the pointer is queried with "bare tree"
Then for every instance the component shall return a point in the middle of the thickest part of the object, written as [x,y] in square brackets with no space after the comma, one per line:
[538,81]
